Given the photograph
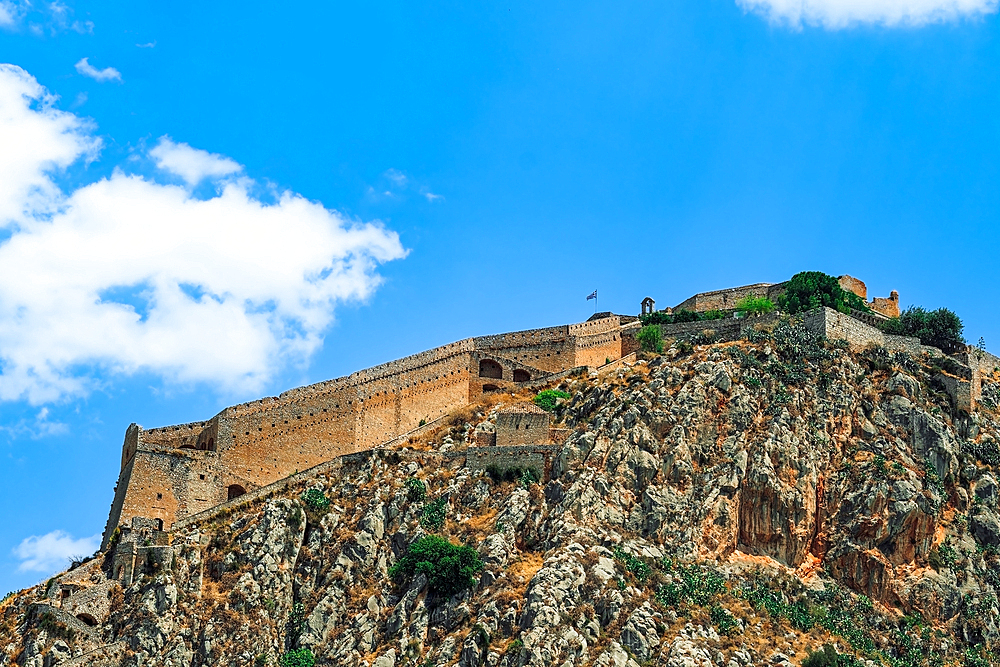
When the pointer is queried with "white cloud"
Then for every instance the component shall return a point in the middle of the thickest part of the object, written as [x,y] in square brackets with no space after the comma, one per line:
[9,14]
[834,14]
[397,177]
[52,552]
[192,164]
[127,274]
[431,197]
[40,427]
[101,75]
[147,45]
[37,138]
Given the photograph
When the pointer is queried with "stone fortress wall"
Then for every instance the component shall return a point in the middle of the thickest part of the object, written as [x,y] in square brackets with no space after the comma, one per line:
[177,471]
[726,299]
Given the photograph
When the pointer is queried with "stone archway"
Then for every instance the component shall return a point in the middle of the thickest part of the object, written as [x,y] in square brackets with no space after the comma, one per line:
[521,375]
[234,491]
[490,369]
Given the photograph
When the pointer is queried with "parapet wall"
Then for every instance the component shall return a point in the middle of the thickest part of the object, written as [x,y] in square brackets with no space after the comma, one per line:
[177,471]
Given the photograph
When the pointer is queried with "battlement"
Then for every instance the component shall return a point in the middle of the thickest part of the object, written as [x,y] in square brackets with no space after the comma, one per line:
[172,472]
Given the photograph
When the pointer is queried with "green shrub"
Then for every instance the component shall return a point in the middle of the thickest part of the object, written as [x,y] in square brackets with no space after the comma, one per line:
[416,490]
[638,568]
[526,475]
[449,568]
[824,657]
[650,339]
[301,657]
[692,584]
[686,316]
[939,328]
[714,314]
[316,500]
[434,513]
[547,398]
[812,289]
[659,317]
[722,619]
[754,305]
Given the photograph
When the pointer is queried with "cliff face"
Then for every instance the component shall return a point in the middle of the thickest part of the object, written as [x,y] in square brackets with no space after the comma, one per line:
[735,504]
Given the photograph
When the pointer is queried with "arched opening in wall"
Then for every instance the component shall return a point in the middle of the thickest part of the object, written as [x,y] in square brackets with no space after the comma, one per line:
[521,376]
[88,619]
[159,525]
[188,446]
[211,445]
[234,491]
[490,369]
[490,388]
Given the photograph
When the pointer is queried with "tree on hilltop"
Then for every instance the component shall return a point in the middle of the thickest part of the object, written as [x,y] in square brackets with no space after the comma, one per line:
[812,289]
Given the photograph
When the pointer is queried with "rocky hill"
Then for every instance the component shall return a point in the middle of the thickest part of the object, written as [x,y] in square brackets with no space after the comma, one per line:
[734,504]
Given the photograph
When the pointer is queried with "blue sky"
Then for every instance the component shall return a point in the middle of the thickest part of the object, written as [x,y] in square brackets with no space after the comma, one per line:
[204,203]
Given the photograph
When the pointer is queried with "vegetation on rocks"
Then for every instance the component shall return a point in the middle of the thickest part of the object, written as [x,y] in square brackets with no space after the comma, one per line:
[939,328]
[650,338]
[449,568]
[734,504]
[547,399]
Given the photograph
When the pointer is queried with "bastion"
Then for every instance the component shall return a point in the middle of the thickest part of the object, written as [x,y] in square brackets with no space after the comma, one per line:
[173,472]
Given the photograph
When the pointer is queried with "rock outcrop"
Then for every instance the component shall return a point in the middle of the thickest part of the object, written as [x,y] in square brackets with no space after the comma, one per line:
[739,504]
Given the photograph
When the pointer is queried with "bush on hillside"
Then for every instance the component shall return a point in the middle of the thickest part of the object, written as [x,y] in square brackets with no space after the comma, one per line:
[714,314]
[416,490]
[434,514]
[301,657]
[686,316]
[316,500]
[547,398]
[812,289]
[650,339]
[659,317]
[824,657]
[940,328]
[754,305]
[449,568]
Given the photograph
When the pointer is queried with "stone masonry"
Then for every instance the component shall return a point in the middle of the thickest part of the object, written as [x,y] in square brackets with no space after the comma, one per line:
[173,472]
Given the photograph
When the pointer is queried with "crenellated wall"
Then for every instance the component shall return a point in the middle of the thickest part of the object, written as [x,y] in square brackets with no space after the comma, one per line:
[176,471]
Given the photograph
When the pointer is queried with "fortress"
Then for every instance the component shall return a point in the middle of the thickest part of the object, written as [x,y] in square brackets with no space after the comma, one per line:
[178,476]
[172,473]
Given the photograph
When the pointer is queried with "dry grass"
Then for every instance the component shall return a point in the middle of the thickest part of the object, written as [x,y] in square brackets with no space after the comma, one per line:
[524,568]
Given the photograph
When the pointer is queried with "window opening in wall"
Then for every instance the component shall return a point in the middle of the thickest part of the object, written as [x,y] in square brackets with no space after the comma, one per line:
[159,524]
[201,477]
[159,496]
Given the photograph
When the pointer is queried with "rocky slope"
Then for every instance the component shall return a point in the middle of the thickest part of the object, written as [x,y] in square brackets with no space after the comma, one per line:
[732,504]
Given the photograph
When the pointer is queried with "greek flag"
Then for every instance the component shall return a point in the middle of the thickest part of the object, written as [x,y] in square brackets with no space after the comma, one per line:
[592,295]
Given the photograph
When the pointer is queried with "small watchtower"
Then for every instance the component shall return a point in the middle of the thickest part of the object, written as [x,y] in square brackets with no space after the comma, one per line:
[522,424]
